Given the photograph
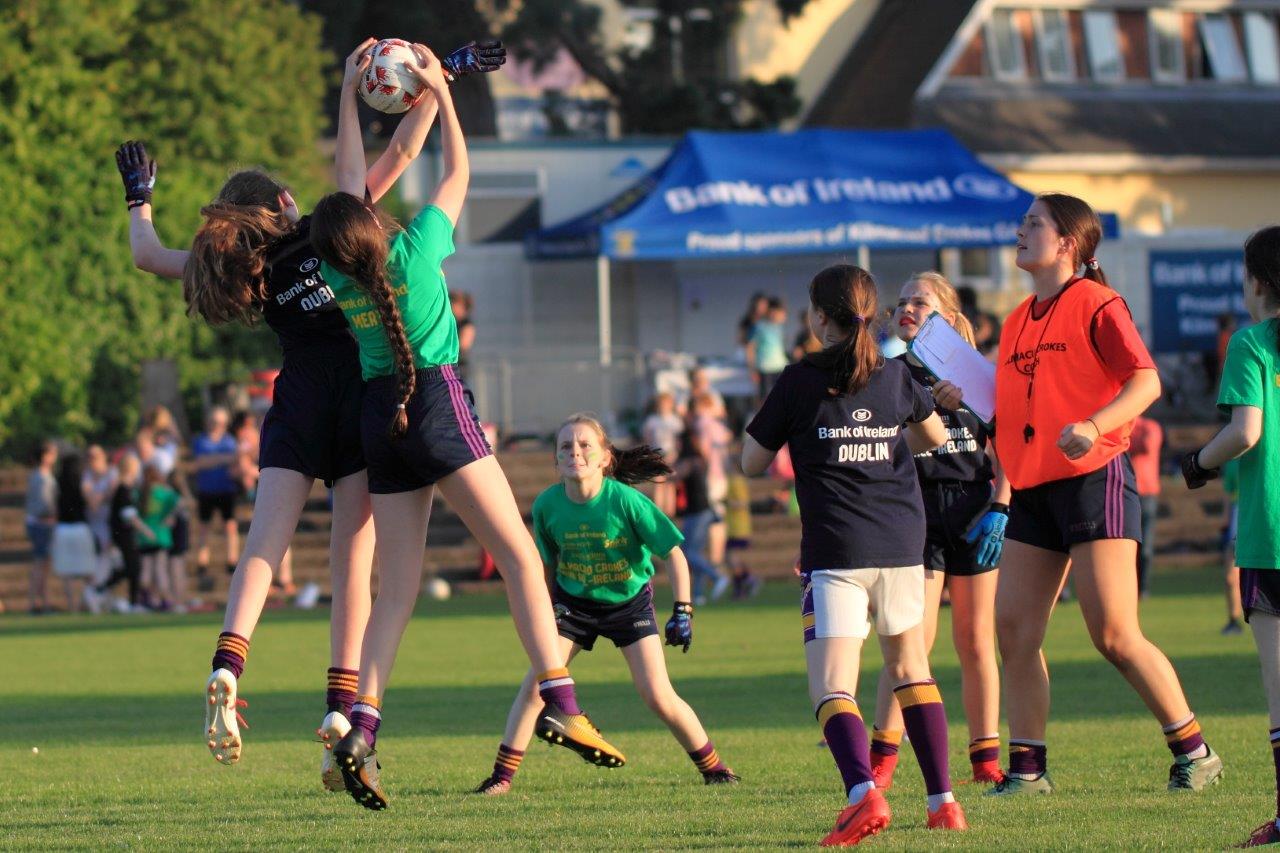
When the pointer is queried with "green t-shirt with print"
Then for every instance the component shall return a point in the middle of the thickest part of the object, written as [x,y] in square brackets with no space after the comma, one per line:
[161,501]
[601,549]
[1251,377]
[413,267]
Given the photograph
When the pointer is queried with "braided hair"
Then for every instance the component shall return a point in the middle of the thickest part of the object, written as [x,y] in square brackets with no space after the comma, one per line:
[847,295]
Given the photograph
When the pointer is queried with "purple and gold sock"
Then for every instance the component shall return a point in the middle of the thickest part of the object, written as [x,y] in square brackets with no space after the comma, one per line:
[231,653]
[926,723]
[341,694]
[886,741]
[707,760]
[366,715]
[846,736]
[984,749]
[1275,759]
[507,763]
[556,688]
[1184,738]
[1027,758]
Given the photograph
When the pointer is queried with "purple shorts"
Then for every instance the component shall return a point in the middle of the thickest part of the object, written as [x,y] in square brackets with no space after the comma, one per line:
[1260,591]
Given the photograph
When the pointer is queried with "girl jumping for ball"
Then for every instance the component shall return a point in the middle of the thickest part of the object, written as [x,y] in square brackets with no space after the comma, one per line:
[596,534]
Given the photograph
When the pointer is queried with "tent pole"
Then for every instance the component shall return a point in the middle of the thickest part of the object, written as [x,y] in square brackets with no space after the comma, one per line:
[604,318]
[864,258]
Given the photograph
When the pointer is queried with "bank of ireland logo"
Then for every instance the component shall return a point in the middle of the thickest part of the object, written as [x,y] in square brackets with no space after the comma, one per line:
[309,264]
[983,187]
[862,415]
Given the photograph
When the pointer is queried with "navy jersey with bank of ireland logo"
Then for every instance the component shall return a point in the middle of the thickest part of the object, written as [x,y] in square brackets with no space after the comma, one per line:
[856,484]
[299,306]
[963,457]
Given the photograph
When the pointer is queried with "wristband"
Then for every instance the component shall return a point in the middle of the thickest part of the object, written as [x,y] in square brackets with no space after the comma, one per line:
[682,607]
[1095,426]
[1003,509]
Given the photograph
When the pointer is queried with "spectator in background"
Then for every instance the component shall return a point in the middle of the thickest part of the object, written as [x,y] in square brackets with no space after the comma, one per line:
[97,485]
[144,447]
[244,428]
[215,453]
[700,386]
[766,350]
[74,551]
[738,529]
[126,525]
[757,308]
[159,505]
[1144,452]
[696,518]
[806,342]
[712,438]
[1214,359]
[663,429]
[164,438]
[986,326]
[42,514]
[461,304]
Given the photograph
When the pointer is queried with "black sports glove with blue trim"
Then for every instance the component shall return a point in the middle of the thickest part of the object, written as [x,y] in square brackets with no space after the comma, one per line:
[1194,474]
[474,58]
[680,625]
[138,171]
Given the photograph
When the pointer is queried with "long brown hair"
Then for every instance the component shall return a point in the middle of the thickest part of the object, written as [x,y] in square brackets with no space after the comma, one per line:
[847,295]
[948,302]
[1262,263]
[639,464]
[225,277]
[352,237]
[1076,219]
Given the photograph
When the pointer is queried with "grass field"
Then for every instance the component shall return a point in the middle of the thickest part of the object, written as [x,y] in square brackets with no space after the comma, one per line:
[114,705]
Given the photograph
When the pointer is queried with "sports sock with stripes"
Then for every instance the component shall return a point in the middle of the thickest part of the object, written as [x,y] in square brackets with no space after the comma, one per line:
[926,723]
[341,692]
[706,759]
[846,736]
[1028,759]
[366,715]
[885,741]
[230,653]
[1184,738]
[556,688]
[507,763]
[984,749]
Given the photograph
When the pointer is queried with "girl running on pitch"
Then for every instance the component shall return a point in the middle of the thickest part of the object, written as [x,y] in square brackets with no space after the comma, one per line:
[966,516]
[596,535]
[852,422]
[1071,377]
[253,257]
[420,433]
[1250,391]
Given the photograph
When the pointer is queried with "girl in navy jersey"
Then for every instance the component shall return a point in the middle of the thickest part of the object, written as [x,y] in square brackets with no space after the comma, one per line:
[253,257]
[852,421]
[966,515]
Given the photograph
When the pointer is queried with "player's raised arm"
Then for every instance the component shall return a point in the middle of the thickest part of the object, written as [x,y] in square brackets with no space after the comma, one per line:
[349,154]
[451,192]
[138,171]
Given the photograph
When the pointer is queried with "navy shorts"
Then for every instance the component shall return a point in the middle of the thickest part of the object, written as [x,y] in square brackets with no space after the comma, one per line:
[583,620]
[444,433]
[222,503]
[181,535]
[41,536]
[1102,504]
[313,425]
[1260,591]
[950,509]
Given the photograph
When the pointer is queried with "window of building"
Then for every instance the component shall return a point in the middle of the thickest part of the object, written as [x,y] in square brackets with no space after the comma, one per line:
[502,206]
[1168,56]
[1004,46]
[1263,48]
[1053,36]
[1102,46]
[1226,60]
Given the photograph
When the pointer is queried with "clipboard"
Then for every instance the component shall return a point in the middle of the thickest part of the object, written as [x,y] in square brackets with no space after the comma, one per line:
[939,347]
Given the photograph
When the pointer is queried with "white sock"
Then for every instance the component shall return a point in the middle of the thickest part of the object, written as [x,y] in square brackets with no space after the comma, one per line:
[936,800]
[857,792]
[1199,752]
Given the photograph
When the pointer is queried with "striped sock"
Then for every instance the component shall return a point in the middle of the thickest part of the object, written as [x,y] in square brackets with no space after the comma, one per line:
[984,749]
[366,715]
[1028,759]
[1275,758]
[886,741]
[846,736]
[231,653]
[926,723]
[507,763]
[1184,738]
[707,760]
[556,688]
[341,694]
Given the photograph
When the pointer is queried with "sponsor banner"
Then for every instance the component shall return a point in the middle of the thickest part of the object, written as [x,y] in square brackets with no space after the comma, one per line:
[1190,291]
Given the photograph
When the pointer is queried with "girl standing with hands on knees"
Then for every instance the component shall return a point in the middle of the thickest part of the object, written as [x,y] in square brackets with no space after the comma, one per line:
[1250,392]
[852,422]
[1071,377]
[420,433]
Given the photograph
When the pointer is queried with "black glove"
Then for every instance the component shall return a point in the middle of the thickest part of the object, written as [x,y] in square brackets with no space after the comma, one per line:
[1194,474]
[680,625]
[138,171]
[474,58]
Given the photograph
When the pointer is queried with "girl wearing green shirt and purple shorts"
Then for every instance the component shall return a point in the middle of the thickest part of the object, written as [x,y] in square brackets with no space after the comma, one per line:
[596,535]
[1250,392]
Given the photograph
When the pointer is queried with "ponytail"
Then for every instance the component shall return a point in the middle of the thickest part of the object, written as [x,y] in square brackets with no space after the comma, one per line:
[847,296]
[1076,219]
[640,464]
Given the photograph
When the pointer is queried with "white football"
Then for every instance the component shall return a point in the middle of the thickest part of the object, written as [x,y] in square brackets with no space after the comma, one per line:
[388,85]
[438,588]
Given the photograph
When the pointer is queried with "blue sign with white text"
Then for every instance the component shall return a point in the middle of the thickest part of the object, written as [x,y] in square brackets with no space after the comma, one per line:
[1190,291]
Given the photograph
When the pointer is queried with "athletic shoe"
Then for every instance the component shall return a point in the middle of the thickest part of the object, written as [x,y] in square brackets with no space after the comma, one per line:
[359,765]
[222,719]
[94,601]
[1263,835]
[576,732]
[1012,785]
[882,767]
[861,821]
[724,776]
[1232,628]
[333,729]
[948,816]
[987,773]
[1194,774]
[493,787]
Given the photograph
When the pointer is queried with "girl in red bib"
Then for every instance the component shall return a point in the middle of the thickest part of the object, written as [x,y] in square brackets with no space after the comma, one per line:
[1071,377]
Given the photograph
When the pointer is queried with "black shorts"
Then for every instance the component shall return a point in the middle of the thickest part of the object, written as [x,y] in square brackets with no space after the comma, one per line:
[950,509]
[444,433]
[1260,591]
[223,503]
[1102,504]
[582,620]
[181,535]
[313,425]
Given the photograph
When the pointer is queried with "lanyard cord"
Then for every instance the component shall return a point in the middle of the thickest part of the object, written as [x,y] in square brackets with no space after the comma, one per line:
[1028,431]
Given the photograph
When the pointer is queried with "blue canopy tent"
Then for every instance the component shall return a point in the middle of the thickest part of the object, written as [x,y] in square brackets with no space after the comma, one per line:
[735,195]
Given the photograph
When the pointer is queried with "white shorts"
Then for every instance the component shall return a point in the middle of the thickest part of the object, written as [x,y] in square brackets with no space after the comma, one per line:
[840,602]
